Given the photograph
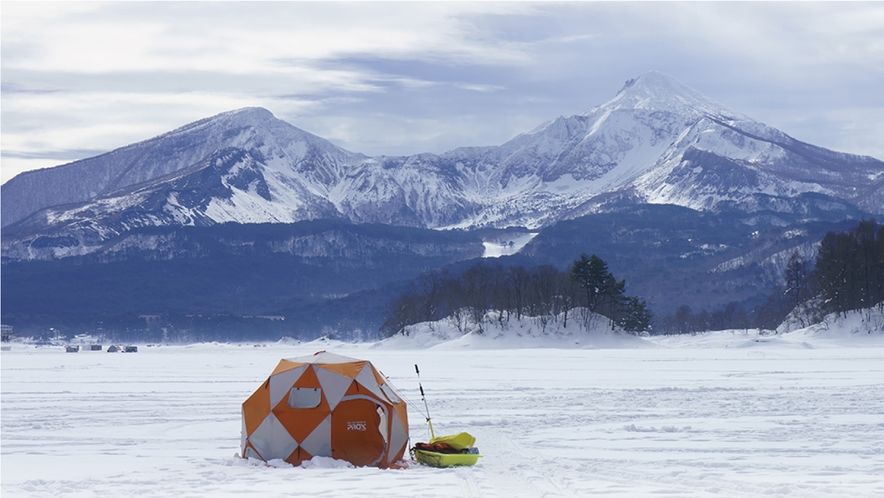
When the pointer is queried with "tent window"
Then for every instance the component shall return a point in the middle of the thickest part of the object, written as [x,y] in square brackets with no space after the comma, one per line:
[391,394]
[305,397]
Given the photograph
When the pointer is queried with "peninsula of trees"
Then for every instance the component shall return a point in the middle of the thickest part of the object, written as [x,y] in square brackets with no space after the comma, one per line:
[587,292]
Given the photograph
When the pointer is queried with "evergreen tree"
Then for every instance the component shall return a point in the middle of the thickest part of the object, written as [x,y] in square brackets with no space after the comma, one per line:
[591,274]
[635,316]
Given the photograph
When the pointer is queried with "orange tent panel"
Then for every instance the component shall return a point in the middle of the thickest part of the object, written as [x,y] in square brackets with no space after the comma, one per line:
[355,434]
[285,365]
[348,369]
[256,407]
[300,422]
[298,456]
[308,378]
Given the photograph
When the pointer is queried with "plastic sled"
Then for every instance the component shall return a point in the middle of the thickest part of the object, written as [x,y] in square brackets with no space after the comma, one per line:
[448,451]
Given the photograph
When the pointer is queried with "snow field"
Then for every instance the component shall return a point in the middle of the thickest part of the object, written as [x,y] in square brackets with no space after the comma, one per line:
[715,415]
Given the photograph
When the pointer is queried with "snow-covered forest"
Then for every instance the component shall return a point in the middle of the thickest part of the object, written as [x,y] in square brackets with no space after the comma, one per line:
[847,274]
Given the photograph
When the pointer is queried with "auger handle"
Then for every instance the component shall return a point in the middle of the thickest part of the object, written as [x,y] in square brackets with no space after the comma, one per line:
[424,398]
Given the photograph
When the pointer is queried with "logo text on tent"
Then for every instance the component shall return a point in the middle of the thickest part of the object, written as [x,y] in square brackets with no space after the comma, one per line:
[356,426]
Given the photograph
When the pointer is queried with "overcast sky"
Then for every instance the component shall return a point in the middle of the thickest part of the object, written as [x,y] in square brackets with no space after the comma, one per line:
[79,79]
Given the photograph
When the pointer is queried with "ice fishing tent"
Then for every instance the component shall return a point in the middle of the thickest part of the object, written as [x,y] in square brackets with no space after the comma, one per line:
[325,405]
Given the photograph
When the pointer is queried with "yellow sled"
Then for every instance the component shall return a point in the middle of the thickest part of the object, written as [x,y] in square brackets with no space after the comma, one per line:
[455,450]
[446,451]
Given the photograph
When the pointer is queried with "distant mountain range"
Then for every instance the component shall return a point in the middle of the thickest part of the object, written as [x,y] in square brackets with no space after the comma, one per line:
[657,141]
[244,172]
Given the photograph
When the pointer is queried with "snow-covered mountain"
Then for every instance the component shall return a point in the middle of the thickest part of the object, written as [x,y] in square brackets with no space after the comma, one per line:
[660,142]
[241,166]
[656,141]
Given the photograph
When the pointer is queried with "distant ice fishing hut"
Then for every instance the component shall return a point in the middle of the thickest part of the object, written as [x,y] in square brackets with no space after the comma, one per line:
[5,333]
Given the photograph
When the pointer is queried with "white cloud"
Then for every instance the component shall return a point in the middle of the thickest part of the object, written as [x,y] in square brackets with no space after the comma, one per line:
[229,37]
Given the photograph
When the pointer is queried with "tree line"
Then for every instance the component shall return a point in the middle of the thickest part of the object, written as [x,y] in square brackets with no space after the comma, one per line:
[847,274]
[849,270]
[543,293]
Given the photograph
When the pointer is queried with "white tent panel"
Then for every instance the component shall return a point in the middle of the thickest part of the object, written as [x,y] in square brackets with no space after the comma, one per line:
[243,437]
[334,385]
[318,443]
[261,437]
[283,444]
[367,380]
[272,440]
[323,357]
[398,436]
[281,383]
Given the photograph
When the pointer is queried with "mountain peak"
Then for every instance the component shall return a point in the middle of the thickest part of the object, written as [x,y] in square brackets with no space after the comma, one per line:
[656,82]
[250,113]
[237,118]
[659,91]
[240,117]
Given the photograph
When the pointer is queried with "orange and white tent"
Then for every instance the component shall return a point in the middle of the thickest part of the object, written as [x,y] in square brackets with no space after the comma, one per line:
[325,405]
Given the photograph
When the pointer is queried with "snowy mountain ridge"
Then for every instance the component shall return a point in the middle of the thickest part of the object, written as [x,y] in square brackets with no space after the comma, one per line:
[657,141]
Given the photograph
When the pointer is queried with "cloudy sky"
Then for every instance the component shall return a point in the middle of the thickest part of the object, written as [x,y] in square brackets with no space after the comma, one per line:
[79,79]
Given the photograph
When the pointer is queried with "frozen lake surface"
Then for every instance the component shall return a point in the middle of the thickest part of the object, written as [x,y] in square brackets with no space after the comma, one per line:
[725,414]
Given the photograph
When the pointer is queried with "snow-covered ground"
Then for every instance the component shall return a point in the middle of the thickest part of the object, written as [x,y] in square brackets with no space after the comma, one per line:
[719,414]
[507,246]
